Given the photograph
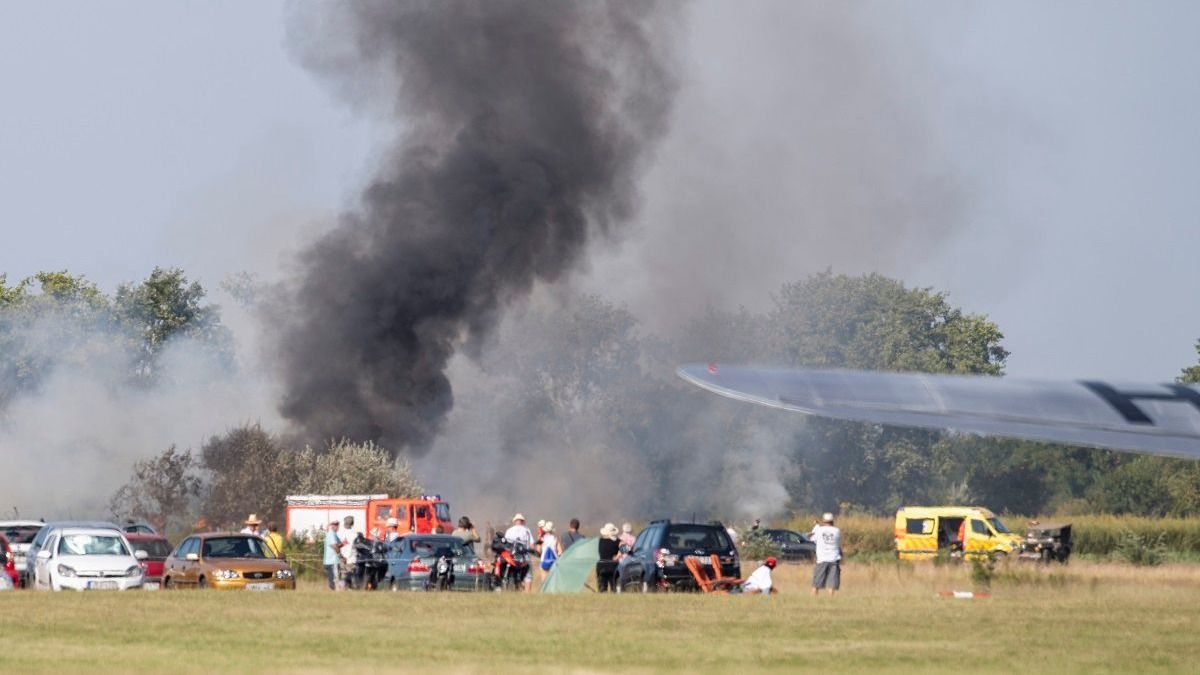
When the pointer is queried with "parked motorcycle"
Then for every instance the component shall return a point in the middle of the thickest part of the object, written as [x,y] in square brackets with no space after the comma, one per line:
[441,576]
[372,563]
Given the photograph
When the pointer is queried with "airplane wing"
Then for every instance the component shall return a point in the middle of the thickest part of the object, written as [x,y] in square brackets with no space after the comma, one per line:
[1156,419]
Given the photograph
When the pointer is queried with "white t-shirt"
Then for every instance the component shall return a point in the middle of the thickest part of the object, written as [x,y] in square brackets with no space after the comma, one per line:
[349,535]
[829,543]
[760,580]
[519,533]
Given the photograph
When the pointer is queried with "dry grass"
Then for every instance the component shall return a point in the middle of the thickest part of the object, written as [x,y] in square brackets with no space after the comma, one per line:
[1082,618]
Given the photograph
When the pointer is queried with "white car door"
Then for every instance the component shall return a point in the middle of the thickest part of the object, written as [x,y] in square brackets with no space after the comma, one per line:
[42,569]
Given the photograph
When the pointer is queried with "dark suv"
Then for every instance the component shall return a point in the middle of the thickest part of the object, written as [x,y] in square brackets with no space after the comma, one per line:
[657,561]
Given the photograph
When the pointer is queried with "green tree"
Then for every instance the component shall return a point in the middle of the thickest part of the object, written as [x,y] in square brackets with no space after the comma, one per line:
[1191,374]
[873,322]
[353,468]
[166,305]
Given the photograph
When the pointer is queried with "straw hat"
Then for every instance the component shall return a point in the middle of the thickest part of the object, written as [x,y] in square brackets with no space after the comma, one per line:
[253,520]
[609,531]
[548,526]
[519,517]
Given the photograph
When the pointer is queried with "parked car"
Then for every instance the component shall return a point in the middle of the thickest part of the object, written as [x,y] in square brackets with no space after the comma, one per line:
[86,558]
[6,556]
[19,534]
[792,545]
[157,548]
[132,527]
[229,561]
[44,531]
[413,558]
[922,532]
[658,558]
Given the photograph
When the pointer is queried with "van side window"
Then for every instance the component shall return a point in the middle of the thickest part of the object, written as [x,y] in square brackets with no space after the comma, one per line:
[978,527]
[384,512]
[919,526]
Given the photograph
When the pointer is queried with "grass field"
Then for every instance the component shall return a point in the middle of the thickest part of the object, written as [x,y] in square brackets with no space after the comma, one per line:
[1083,618]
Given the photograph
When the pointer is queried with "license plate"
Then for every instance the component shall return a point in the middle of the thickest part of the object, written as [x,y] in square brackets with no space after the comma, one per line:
[150,585]
[707,562]
[102,585]
[260,587]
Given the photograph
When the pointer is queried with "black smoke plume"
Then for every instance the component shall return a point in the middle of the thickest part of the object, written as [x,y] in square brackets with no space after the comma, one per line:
[522,128]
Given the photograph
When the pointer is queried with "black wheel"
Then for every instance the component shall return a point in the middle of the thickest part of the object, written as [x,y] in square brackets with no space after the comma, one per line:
[203,583]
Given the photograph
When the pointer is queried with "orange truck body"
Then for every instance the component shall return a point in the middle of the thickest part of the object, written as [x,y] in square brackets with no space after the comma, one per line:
[309,514]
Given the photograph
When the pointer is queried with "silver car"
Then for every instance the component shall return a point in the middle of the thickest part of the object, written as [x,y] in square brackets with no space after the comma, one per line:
[413,559]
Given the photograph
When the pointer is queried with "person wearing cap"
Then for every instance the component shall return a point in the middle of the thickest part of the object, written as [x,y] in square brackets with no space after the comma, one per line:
[252,524]
[551,549]
[610,551]
[827,573]
[333,546]
[760,580]
[519,533]
[393,529]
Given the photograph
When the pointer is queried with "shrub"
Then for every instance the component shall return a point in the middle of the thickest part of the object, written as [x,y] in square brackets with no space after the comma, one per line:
[1140,550]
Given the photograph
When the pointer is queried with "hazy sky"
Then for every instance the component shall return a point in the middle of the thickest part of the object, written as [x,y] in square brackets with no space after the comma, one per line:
[1037,162]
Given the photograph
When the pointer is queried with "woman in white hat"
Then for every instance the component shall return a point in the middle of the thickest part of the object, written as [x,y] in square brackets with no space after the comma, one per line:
[606,566]
[551,549]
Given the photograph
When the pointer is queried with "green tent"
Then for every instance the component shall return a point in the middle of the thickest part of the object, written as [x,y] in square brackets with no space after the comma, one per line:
[573,568]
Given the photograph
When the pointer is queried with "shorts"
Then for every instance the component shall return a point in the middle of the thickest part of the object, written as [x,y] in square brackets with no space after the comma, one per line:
[828,575]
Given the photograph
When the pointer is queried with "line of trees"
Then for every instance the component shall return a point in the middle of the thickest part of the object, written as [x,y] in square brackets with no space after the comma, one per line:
[586,381]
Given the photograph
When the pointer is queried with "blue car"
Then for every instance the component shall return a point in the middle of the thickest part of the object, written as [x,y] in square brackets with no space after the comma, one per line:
[412,563]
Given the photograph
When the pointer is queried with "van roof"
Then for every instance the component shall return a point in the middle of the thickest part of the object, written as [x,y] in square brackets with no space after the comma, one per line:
[945,511]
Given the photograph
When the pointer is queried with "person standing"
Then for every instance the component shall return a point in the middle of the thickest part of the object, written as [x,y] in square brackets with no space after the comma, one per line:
[571,535]
[333,554]
[828,571]
[349,551]
[466,532]
[393,530]
[606,567]
[274,539]
[626,538]
[551,549]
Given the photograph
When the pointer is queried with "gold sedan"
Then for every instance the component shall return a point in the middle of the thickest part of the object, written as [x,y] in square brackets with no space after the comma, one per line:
[226,560]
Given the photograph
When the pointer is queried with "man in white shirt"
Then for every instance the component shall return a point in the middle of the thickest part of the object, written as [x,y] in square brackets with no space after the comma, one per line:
[760,580]
[519,533]
[828,571]
[349,535]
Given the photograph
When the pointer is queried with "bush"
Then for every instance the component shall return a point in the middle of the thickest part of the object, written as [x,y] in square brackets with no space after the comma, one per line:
[1141,551]
[755,545]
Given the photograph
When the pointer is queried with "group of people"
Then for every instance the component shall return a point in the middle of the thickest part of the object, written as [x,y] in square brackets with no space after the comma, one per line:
[254,525]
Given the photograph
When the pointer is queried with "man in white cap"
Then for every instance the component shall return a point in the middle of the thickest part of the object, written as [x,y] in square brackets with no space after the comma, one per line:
[393,529]
[519,533]
[828,571]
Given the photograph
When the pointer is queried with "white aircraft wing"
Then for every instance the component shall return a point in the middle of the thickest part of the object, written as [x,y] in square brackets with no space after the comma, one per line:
[1157,419]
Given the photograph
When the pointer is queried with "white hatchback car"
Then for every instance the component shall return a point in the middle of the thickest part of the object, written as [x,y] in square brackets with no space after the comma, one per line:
[84,558]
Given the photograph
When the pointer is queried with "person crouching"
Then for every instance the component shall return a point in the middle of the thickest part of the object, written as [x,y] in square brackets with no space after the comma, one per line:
[760,580]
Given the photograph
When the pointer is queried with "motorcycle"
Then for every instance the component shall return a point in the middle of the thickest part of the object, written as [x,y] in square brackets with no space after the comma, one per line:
[511,565]
[441,576]
[372,563]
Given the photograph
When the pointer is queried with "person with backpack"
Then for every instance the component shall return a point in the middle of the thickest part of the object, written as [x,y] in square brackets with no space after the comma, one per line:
[551,549]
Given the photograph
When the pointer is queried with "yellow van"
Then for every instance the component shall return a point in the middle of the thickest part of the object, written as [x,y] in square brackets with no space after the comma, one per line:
[924,531]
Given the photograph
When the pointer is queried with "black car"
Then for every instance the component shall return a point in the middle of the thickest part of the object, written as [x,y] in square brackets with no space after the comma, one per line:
[657,561]
[792,545]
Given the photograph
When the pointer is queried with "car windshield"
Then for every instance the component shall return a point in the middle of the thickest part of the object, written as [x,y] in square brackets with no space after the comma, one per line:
[155,548]
[996,523]
[92,544]
[235,547]
[21,534]
[429,548]
[681,537]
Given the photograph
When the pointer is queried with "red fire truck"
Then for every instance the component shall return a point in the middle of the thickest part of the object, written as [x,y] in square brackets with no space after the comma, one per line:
[309,514]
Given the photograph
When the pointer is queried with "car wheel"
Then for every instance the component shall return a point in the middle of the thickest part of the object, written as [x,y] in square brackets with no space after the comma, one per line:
[203,583]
